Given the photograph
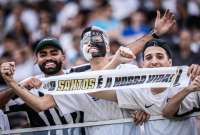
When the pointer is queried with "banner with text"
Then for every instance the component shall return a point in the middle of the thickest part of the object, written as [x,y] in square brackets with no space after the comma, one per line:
[84,82]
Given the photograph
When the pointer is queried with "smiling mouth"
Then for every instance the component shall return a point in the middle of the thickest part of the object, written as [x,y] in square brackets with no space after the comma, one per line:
[93,49]
[50,65]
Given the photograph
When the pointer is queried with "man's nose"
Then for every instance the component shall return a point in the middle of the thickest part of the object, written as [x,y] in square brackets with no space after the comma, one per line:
[154,62]
[48,57]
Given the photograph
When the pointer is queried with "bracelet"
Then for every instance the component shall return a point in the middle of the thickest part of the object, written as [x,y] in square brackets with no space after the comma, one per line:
[154,35]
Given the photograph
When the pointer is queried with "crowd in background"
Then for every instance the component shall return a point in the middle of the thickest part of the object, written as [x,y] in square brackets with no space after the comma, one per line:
[23,23]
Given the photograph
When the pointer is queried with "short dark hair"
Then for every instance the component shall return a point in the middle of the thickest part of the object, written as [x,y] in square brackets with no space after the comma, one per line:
[160,43]
[46,42]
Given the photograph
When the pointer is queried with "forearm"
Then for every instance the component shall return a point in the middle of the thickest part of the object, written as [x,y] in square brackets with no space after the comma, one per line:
[138,45]
[107,95]
[174,103]
[111,65]
[35,102]
[5,96]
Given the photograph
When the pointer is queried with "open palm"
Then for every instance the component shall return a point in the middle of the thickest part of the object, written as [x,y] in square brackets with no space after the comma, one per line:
[165,23]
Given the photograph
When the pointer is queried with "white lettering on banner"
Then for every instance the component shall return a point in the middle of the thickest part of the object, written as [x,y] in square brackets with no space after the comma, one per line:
[85,82]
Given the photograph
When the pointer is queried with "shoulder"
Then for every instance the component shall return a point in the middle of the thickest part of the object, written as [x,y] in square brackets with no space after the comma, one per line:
[80,68]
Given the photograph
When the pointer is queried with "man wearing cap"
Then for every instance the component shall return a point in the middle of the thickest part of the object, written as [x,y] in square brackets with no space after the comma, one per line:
[50,58]
[156,53]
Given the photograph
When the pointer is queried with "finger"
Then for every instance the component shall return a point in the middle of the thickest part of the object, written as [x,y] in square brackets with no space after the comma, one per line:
[128,55]
[37,83]
[198,71]
[194,71]
[198,85]
[143,117]
[12,64]
[6,72]
[166,13]
[172,17]
[126,60]
[133,116]
[158,15]
[125,54]
[148,117]
[197,79]
[138,117]
[190,69]
[170,14]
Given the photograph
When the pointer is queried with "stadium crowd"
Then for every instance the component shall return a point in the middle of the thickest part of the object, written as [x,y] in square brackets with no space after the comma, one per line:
[23,24]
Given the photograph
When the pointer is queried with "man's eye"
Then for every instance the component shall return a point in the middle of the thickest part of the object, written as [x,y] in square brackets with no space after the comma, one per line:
[86,40]
[160,57]
[147,58]
[42,55]
[97,39]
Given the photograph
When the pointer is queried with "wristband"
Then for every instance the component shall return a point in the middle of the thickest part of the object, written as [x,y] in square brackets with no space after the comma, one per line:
[154,35]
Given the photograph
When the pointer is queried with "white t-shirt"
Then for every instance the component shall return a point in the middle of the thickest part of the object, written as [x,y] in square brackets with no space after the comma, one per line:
[143,99]
[4,124]
[190,104]
[98,110]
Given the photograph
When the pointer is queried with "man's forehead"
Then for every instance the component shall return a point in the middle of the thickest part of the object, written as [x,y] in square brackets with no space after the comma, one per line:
[49,48]
[154,50]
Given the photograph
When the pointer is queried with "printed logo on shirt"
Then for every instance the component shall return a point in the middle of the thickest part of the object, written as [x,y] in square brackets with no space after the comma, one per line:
[148,106]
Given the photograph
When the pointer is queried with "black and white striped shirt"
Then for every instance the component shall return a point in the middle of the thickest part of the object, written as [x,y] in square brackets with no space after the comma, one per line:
[17,107]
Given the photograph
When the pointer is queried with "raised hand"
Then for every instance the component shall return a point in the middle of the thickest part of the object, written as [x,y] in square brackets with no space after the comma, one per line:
[194,71]
[123,55]
[7,70]
[163,24]
[195,85]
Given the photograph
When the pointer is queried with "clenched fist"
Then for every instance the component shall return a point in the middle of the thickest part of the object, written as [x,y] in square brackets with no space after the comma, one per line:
[7,70]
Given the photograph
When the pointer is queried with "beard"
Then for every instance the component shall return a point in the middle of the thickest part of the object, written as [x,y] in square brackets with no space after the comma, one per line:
[51,70]
[101,52]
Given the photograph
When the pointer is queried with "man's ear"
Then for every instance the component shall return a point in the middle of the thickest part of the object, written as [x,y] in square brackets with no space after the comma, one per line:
[170,62]
[35,60]
[63,58]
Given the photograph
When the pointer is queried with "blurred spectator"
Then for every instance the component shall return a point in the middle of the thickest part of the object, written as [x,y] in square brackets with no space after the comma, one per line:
[1,23]
[43,31]
[10,44]
[182,54]
[122,9]
[137,26]
[24,63]
[13,16]
[103,18]
[30,17]
[66,11]
[20,32]
[195,47]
